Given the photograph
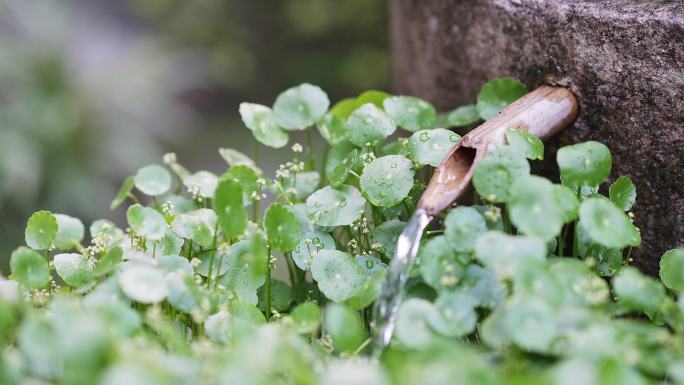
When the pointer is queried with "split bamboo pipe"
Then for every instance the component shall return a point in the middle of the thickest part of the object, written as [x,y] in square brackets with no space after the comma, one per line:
[542,112]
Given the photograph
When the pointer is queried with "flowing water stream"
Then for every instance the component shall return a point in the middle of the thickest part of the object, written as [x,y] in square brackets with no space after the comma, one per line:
[393,289]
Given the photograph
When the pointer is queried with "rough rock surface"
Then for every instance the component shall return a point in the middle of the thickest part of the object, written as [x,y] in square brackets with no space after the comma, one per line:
[623,59]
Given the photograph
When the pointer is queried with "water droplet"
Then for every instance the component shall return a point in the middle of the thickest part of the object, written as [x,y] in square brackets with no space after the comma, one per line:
[342,203]
[393,164]
[298,249]
[316,241]
[369,264]
[424,137]
[454,138]
[368,120]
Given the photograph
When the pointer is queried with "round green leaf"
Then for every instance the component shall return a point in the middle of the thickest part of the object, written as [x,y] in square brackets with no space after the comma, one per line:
[29,268]
[153,180]
[441,267]
[73,269]
[462,226]
[672,269]
[636,291]
[281,296]
[183,293]
[336,155]
[370,264]
[337,273]
[505,253]
[221,263]
[308,247]
[303,184]
[587,163]
[567,202]
[344,327]
[104,226]
[530,323]
[496,173]
[607,225]
[197,226]
[306,317]
[458,313]
[143,283]
[387,235]
[146,222]
[331,127]
[387,180]
[282,228]
[534,208]
[260,120]
[70,232]
[236,158]
[176,263]
[410,113]
[247,178]
[109,261]
[246,272]
[528,144]
[335,206]
[623,193]
[413,325]
[497,94]
[229,207]
[372,96]
[123,192]
[369,125]
[431,146]
[341,172]
[41,230]
[463,116]
[204,181]
[300,107]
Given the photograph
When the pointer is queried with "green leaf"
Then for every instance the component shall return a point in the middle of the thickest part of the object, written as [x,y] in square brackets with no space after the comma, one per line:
[372,96]
[221,263]
[431,146]
[458,312]
[672,269]
[153,180]
[282,228]
[370,264]
[176,263]
[332,129]
[104,226]
[587,163]
[387,235]
[197,226]
[441,266]
[623,193]
[530,323]
[143,283]
[370,290]
[236,158]
[606,224]
[335,206]
[497,94]
[505,254]
[387,180]
[306,317]
[534,208]
[29,268]
[300,107]
[567,202]
[109,262]
[308,247]
[462,226]
[345,107]
[247,178]
[305,183]
[281,296]
[341,172]
[73,269]
[410,113]
[229,207]
[41,230]
[369,125]
[123,192]
[463,116]
[204,181]
[247,270]
[495,174]
[531,146]
[337,274]
[415,319]
[260,120]
[70,232]
[636,291]
[344,327]
[146,222]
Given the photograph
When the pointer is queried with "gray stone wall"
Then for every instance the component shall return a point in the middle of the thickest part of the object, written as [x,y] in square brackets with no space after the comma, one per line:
[624,60]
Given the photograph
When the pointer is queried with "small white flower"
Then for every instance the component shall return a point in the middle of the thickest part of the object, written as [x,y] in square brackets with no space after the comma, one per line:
[169,158]
[297,147]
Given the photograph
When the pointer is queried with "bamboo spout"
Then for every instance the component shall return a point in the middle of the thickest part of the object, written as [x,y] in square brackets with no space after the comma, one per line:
[543,113]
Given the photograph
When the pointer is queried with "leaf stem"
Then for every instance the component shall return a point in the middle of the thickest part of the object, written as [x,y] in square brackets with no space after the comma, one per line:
[267,285]
[213,255]
[309,150]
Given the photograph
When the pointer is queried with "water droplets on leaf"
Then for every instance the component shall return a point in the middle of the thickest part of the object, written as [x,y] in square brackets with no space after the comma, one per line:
[429,147]
[385,185]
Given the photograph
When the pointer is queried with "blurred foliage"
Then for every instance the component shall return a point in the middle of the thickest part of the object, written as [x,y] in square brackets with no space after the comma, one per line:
[89,90]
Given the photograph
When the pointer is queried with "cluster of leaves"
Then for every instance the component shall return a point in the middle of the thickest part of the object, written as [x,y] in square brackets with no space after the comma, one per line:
[530,284]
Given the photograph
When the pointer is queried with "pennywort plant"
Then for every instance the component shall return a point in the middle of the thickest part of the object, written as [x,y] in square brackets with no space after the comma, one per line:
[243,277]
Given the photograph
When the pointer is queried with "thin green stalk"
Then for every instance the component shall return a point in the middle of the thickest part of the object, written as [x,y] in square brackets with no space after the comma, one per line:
[267,286]
[324,160]
[290,268]
[311,163]
[213,255]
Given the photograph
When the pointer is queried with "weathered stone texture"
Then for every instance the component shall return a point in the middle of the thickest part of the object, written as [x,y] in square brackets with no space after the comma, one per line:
[624,60]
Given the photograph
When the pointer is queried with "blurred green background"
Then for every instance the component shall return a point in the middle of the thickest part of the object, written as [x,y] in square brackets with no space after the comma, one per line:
[92,90]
